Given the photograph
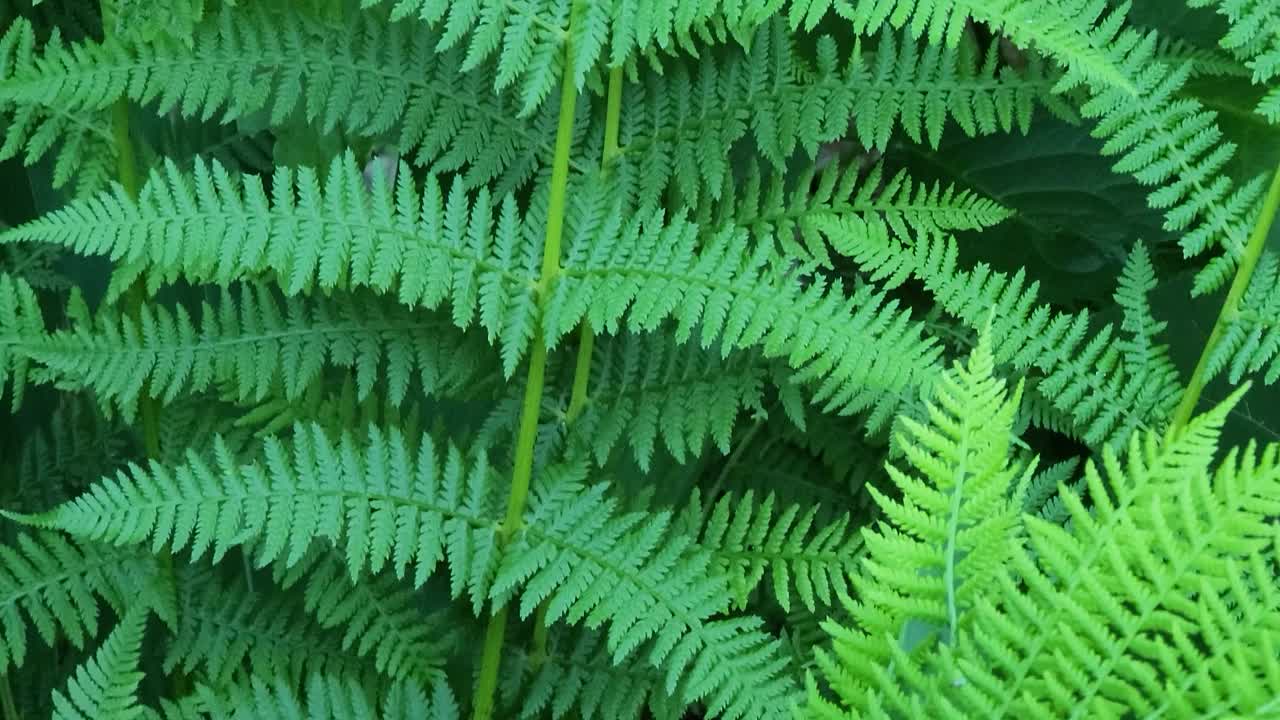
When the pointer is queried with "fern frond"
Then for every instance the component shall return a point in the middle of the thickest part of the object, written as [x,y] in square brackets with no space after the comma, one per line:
[371,79]
[224,627]
[751,539]
[680,127]
[1250,342]
[859,352]
[793,212]
[939,547]
[1173,144]
[587,562]
[1142,606]
[20,318]
[1254,37]
[106,685]
[54,585]
[430,246]
[60,457]
[326,697]
[578,678]
[253,341]
[1106,387]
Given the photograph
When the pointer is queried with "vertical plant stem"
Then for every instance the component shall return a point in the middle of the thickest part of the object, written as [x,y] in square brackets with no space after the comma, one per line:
[587,336]
[491,655]
[6,699]
[1252,252]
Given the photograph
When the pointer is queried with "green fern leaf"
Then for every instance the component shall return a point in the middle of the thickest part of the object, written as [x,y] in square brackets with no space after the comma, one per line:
[106,685]
[20,318]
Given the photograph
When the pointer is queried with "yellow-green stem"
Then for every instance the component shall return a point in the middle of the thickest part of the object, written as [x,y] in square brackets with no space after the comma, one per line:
[1252,252]
[586,335]
[522,472]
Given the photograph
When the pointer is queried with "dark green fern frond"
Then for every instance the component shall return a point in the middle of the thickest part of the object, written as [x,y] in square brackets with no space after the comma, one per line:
[325,697]
[680,127]
[1254,37]
[645,388]
[577,677]
[253,341]
[1107,387]
[1173,143]
[1250,342]
[751,540]
[224,627]
[54,585]
[59,458]
[20,320]
[372,80]
[327,232]
[106,685]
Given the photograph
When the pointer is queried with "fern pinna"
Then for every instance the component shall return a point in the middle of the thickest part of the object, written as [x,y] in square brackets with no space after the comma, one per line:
[671,358]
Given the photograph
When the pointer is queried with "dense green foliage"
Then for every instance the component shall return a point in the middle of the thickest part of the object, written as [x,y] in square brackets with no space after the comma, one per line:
[639,358]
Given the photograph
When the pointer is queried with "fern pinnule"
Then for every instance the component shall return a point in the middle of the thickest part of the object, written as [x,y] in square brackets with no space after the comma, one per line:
[1253,39]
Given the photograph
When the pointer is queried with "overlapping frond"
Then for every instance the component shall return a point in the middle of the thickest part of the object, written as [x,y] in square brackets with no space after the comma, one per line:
[1157,601]
[1173,144]
[1106,386]
[784,546]
[59,458]
[680,126]
[856,352]
[1250,342]
[371,80]
[20,319]
[1254,38]
[941,544]
[54,585]
[587,562]
[106,685]
[326,232]
[325,697]
[793,212]
[254,342]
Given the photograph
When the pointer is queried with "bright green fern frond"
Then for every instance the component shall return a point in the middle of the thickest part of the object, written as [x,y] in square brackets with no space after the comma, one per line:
[585,561]
[751,540]
[1254,37]
[54,585]
[1107,388]
[939,547]
[1159,599]
[1062,29]
[1173,144]
[858,352]
[311,231]
[20,321]
[254,342]
[106,685]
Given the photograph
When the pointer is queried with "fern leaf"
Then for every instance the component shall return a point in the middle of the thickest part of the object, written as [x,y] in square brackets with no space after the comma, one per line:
[310,232]
[712,284]
[54,585]
[751,539]
[20,318]
[254,342]
[106,685]
[1107,388]
[1250,342]
[326,697]
[59,458]
[1254,38]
